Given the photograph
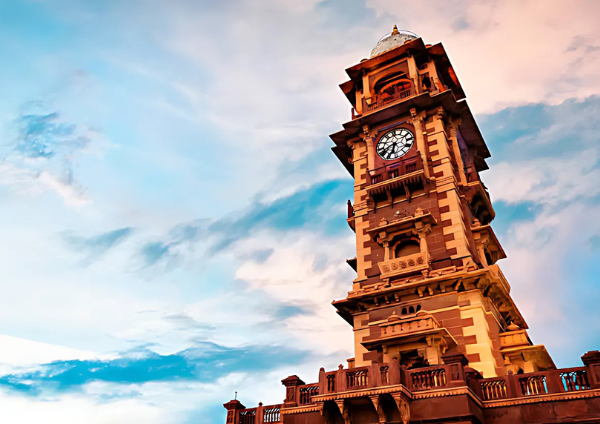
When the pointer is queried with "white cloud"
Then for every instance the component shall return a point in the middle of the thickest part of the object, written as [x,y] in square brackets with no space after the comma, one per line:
[17,353]
[72,195]
[510,52]
[307,270]
[547,181]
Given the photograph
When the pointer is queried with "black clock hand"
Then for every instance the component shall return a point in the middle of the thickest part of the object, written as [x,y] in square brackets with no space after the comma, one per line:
[390,147]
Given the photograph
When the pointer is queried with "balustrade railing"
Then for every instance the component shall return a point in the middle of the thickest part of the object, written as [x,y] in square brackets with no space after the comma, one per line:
[305,393]
[357,378]
[538,383]
[453,375]
[428,378]
[271,414]
[574,379]
[331,387]
[493,389]
[382,99]
[402,168]
[533,384]
[247,416]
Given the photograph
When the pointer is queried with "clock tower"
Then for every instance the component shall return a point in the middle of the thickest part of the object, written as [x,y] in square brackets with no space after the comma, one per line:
[427,282]
[437,335]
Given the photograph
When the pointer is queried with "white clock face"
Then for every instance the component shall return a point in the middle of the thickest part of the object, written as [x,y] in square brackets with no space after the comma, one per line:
[395,143]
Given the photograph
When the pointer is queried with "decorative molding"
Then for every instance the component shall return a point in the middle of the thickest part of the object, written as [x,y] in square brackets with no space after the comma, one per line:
[364,392]
[554,397]
[301,409]
[428,394]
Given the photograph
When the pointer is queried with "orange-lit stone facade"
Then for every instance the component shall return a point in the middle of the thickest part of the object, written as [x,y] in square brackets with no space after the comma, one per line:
[437,336]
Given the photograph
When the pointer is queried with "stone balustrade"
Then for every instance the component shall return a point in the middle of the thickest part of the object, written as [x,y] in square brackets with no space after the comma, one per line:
[408,326]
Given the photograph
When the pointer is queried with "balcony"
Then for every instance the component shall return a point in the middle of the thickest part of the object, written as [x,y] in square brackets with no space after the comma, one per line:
[533,384]
[514,339]
[397,93]
[382,99]
[398,170]
[385,382]
[399,176]
[406,330]
[404,265]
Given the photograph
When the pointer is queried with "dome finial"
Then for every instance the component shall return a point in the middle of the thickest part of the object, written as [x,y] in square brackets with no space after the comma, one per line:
[395,30]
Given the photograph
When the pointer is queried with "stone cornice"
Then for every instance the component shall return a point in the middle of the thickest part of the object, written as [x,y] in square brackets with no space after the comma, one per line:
[553,397]
[399,388]
[300,409]
[427,394]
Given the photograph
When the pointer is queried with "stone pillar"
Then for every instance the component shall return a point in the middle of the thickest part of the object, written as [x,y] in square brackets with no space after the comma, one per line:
[453,129]
[394,372]
[369,137]
[457,361]
[233,407]
[291,384]
[592,361]
[417,121]
[322,382]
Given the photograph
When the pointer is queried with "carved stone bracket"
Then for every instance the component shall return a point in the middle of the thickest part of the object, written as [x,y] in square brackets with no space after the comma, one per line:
[324,412]
[344,411]
[376,400]
[403,407]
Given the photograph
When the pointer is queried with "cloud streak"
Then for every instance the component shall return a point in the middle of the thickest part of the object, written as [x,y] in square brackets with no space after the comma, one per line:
[96,246]
[205,362]
[40,155]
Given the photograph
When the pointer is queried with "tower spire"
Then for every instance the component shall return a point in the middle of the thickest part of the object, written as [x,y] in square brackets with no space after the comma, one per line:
[395,30]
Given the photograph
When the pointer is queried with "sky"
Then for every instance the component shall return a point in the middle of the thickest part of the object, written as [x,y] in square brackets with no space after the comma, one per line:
[173,221]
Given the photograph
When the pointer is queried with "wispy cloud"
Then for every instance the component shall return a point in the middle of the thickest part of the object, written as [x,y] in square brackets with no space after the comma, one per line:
[542,157]
[39,153]
[318,207]
[95,246]
[170,251]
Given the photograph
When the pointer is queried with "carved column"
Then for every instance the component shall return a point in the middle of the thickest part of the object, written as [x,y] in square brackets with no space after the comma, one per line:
[417,121]
[386,246]
[369,137]
[453,129]
[481,242]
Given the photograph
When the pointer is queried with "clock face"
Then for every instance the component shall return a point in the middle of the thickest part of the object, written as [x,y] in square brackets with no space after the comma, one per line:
[394,144]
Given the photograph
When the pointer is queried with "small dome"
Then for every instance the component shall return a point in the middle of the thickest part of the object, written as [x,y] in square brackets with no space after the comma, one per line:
[393,39]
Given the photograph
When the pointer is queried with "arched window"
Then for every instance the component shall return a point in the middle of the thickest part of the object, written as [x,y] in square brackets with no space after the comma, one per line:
[391,84]
[406,248]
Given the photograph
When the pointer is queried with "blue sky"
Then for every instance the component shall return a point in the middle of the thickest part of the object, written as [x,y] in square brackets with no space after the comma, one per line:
[173,220]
